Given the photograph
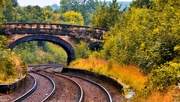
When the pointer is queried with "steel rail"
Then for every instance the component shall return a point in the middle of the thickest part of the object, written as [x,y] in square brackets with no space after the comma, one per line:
[93,82]
[81,99]
[24,96]
[52,82]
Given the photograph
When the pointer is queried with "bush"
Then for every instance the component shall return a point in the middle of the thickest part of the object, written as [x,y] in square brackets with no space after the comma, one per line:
[10,67]
[165,76]
[82,50]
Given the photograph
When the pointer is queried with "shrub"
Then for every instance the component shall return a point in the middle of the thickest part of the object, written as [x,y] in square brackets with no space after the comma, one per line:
[82,50]
[10,67]
[163,77]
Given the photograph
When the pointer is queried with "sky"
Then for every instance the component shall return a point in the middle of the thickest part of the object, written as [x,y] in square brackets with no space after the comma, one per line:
[45,2]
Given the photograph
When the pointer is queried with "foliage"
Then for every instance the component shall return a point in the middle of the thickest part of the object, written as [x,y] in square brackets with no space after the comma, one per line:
[164,76]
[145,37]
[9,11]
[124,74]
[30,14]
[85,7]
[142,3]
[106,16]
[72,17]
[40,52]
[173,95]
[11,68]
[56,51]
[14,3]
[48,14]
[2,5]
[82,50]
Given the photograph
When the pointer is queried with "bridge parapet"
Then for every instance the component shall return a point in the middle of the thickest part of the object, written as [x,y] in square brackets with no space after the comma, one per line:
[53,29]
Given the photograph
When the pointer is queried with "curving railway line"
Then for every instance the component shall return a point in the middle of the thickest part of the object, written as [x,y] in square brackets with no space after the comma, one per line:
[66,90]
[91,89]
[51,86]
[28,93]
[37,93]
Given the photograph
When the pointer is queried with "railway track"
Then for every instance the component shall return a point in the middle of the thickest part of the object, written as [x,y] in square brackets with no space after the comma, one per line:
[66,90]
[52,86]
[93,91]
[37,93]
[24,96]
[26,89]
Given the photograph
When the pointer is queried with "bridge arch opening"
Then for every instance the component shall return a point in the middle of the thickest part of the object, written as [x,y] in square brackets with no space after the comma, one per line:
[56,40]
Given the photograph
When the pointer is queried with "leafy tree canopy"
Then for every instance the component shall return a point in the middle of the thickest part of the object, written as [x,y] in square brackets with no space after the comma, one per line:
[106,16]
[142,3]
[72,17]
[85,7]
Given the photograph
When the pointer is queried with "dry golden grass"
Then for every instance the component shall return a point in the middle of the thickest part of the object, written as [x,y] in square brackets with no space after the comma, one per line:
[128,74]
[169,96]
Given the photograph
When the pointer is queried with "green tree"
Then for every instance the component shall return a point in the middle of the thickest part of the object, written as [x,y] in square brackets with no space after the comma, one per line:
[30,14]
[82,50]
[48,14]
[163,77]
[14,3]
[8,11]
[142,3]
[2,5]
[9,68]
[145,37]
[85,7]
[40,52]
[72,17]
[106,16]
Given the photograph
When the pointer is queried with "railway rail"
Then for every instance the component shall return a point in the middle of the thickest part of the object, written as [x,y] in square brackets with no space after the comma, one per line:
[41,82]
[24,96]
[50,85]
[66,88]
[105,95]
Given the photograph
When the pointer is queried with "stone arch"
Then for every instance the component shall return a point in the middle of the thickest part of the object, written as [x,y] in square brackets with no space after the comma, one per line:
[65,45]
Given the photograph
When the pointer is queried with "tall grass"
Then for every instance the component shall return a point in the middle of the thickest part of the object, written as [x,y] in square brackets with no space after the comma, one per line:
[172,95]
[127,74]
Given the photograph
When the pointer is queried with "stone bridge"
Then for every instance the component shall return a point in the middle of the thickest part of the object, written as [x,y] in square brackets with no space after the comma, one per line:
[63,35]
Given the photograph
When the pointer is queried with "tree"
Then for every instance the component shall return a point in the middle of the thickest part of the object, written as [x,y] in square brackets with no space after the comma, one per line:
[8,11]
[14,3]
[72,17]
[106,16]
[85,7]
[30,14]
[48,14]
[142,3]
[146,37]
[82,50]
[2,5]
